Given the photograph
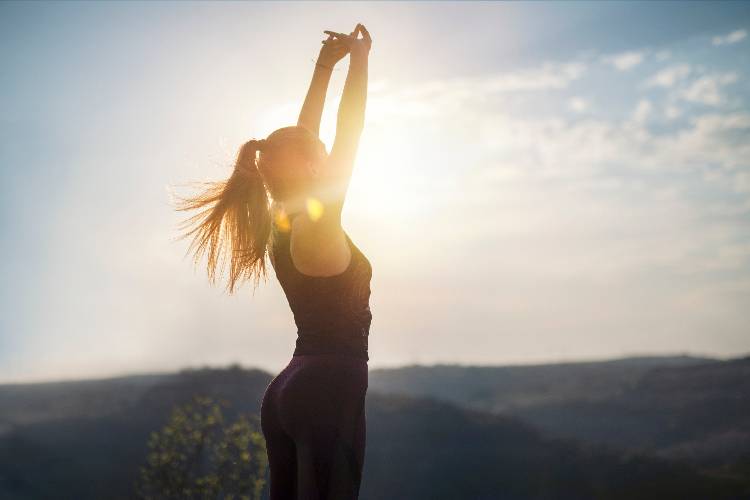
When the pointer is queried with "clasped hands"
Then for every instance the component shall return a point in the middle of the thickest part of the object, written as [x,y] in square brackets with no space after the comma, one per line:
[338,45]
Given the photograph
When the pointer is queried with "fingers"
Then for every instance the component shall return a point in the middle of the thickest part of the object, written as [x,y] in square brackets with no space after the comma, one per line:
[348,39]
[360,29]
[365,33]
[341,38]
[333,43]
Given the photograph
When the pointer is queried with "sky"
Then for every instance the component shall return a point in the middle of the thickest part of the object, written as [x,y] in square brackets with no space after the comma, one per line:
[537,182]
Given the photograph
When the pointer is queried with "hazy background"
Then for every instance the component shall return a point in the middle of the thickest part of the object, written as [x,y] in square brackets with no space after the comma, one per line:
[537,181]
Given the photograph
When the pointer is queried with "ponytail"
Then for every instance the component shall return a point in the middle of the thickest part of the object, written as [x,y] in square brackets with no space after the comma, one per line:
[234,223]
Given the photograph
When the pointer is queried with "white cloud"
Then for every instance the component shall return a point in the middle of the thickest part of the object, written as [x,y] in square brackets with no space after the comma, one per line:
[705,89]
[733,37]
[549,76]
[446,96]
[566,185]
[663,55]
[667,77]
[713,140]
[641,111]
[672,112]
[577,104]
[624,60]
[553,149]
[666,194]
[742,182]
[560,149]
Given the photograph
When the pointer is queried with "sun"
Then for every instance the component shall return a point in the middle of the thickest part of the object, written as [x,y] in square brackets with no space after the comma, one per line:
[398,163]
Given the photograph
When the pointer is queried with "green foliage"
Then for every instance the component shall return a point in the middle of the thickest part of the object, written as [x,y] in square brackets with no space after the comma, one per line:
[198,456]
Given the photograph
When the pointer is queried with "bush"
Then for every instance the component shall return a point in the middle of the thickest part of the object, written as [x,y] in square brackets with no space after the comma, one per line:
[197,456]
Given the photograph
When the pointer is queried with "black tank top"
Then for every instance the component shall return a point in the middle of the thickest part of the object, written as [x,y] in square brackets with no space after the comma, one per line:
[332,313]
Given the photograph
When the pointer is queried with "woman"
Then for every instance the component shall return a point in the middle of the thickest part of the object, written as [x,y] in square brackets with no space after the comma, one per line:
[313,412]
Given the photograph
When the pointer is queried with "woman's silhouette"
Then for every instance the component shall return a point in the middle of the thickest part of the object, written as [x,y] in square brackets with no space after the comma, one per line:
[313,412]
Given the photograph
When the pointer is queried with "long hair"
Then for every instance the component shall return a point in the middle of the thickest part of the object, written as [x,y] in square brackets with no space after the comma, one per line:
[233,224]
[235,221]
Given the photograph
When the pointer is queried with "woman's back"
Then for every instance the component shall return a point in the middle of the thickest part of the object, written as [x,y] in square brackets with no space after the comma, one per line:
[332,313]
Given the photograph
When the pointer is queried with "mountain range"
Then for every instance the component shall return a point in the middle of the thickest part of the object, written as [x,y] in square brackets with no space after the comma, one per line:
[624,429]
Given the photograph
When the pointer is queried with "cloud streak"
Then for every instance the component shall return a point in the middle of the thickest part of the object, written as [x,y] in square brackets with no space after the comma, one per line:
[707,89]
[668,77]
[451,96]
[625,60]
[733,37]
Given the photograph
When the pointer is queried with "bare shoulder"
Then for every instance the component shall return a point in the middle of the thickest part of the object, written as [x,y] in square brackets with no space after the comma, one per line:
[319,248]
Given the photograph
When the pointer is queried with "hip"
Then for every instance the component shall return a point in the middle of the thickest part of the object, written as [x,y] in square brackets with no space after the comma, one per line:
[321,374]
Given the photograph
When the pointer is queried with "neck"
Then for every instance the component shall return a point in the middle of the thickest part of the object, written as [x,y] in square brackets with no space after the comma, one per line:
[293,206]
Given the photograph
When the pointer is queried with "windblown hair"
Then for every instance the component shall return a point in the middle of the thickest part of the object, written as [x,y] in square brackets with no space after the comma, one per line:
[235,220]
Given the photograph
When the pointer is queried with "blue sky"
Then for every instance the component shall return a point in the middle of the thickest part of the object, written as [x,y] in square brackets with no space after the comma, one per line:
[537,182]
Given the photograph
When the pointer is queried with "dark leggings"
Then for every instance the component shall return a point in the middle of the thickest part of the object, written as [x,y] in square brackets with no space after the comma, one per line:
[313,420]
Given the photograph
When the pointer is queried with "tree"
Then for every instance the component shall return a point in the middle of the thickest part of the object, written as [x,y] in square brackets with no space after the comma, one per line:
[198,456]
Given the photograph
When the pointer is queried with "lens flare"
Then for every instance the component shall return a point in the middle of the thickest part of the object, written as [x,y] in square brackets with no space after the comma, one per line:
[314,209]
[282,222]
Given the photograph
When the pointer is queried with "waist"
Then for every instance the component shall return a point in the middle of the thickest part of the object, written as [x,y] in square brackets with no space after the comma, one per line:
[350,343]
[329,358]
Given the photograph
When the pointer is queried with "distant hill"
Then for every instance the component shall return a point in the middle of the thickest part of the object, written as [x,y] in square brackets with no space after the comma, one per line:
[501,388]
[86,440]
[424,449]
[689,408]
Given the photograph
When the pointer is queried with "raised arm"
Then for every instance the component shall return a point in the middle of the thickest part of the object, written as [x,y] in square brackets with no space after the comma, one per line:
[319,246]
[351,116]
[332,52]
